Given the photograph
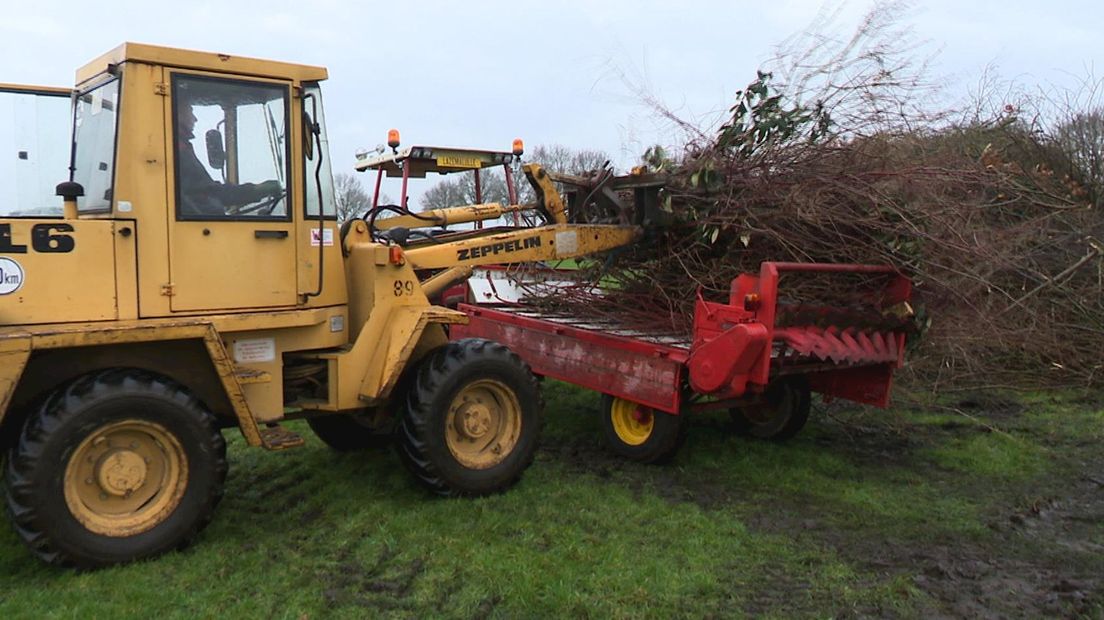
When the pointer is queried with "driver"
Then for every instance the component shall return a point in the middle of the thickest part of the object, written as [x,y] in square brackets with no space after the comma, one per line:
[199,193]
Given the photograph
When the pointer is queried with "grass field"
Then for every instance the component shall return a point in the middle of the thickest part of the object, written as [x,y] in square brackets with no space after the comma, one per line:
[958,506]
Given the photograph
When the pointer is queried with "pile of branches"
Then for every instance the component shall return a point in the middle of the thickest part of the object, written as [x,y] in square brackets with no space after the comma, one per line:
[834,158]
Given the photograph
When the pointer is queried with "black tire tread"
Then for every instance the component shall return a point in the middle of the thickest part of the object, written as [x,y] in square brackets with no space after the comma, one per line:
[794,424]
[413,433]
[21,492]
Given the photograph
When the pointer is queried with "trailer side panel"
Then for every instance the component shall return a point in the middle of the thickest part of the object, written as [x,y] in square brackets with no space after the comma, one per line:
[646,373]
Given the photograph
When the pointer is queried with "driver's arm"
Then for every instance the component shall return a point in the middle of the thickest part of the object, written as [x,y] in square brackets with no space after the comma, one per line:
[210,197]
[245,193]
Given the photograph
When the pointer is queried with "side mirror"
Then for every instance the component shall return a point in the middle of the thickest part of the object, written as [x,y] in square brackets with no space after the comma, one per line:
[216,154]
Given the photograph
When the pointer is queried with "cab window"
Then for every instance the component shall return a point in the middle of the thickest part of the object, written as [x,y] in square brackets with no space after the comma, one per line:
[34,150]
[95,120]
[316,164]
[231,149]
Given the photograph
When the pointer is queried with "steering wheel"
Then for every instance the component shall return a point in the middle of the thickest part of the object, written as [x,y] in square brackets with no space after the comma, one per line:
[266,206]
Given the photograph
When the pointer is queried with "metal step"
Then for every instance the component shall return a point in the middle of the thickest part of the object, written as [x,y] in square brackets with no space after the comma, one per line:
[276,437]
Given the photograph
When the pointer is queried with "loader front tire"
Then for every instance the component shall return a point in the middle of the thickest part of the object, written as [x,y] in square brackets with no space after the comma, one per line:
[115,466]
[640,433]
[782,415]
[472,419]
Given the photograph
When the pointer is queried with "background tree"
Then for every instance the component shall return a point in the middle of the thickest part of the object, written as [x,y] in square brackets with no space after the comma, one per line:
[459,189]
[559,158]
[352,199]
[1081,137]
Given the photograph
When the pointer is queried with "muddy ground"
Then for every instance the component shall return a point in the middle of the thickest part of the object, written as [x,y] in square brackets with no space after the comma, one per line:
[952,506]
[1042,551]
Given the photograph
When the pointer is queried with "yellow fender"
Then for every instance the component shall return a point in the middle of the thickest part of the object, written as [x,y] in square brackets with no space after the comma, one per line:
[14,353]
[388,344]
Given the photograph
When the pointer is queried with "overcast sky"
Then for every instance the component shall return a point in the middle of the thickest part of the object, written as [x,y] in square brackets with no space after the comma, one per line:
[481,73]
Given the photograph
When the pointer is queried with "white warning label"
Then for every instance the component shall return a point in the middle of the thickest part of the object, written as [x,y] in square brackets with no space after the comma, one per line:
[326,237]
[255,350]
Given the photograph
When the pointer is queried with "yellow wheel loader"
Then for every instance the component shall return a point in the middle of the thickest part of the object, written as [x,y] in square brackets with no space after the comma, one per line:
[190,275]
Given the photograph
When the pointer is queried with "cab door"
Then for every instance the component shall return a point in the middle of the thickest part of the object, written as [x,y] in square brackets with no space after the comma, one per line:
[231,239]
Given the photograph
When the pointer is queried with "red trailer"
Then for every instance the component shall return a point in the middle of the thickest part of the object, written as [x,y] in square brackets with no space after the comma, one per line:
[759,355]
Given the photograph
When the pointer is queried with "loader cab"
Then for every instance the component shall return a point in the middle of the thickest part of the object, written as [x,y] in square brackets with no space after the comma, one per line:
[205,188]
[220,166]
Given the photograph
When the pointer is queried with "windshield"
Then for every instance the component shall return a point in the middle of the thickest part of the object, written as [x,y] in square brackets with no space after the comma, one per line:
[34,151]
[96,116]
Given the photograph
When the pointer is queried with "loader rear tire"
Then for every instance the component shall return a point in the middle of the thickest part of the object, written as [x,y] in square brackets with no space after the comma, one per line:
[349,432]
[640,433]
[782,416]
[472,419]
[115,466]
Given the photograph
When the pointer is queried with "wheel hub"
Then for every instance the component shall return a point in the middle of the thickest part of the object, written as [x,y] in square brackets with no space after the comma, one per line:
[121,472]
[125,478]
[633,423]
[475,421]
[484,424]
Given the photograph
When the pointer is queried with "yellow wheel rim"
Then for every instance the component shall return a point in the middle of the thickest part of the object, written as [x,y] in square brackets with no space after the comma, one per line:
[125,478]
[633,423]
[483,424]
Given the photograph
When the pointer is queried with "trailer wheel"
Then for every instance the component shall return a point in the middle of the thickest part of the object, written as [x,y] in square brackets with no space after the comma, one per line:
[115,466]
[472,419]
[641,433]
[350,432]
[782,416]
